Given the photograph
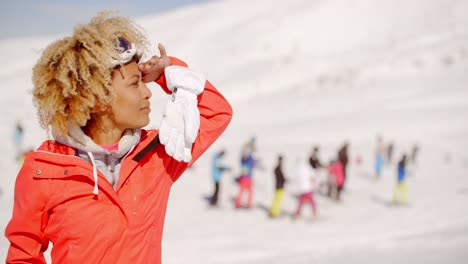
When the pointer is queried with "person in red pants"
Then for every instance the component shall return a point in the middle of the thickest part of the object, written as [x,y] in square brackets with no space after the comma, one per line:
[305,181]
[248,163]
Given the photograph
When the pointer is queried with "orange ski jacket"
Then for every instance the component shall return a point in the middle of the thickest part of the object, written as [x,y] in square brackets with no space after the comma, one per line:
[54,199]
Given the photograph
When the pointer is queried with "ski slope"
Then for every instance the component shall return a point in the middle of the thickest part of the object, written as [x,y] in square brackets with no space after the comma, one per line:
[301,73]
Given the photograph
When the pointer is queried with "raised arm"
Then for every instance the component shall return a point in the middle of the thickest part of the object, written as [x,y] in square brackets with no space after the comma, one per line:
[215,115]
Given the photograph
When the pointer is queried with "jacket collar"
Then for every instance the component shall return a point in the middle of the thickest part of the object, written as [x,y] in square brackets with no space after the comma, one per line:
[90,151]
[80,141]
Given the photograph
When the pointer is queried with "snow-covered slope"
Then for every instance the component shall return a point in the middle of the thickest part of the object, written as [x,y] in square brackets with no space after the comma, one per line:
[300,73]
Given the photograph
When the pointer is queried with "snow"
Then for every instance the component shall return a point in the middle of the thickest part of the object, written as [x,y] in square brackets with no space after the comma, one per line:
[301,73]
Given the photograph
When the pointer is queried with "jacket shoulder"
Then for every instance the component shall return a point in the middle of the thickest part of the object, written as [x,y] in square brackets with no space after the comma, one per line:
[55,147]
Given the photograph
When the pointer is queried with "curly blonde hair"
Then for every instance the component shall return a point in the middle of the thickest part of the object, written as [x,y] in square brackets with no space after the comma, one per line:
[73,75]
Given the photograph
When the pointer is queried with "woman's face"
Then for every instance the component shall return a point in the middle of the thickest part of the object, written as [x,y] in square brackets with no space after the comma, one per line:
[132,106]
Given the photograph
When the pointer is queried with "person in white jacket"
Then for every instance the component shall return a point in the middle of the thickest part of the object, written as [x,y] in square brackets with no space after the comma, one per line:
[305,177]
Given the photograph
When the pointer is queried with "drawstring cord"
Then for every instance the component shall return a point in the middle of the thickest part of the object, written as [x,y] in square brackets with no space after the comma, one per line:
[95,175]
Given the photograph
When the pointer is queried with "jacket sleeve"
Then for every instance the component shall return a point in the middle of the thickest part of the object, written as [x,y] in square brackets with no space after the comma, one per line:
[25,229]
[215,115]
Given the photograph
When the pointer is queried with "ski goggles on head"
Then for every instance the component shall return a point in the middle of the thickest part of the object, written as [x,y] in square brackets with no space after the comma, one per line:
[127,51]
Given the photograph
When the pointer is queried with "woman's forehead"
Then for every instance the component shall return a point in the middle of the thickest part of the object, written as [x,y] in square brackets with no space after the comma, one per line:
[127,71]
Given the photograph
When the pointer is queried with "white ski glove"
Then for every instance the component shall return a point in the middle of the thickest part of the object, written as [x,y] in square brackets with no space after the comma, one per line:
[181,119]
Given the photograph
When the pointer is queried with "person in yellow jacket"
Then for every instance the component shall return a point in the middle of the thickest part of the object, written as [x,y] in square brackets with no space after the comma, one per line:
[99,190]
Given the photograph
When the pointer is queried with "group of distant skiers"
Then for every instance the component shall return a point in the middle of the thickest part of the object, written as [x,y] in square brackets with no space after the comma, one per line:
[384,154]
[306,176]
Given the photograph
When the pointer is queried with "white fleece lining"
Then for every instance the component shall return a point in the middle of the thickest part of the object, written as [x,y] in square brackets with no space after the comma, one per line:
[95,175]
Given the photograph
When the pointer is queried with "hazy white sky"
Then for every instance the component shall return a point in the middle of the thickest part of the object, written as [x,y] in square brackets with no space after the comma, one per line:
[44,17]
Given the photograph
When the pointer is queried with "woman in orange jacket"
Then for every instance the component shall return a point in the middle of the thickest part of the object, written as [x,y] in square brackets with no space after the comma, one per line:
[99,190]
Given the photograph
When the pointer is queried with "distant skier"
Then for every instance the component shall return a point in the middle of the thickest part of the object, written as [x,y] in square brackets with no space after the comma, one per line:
[336,179]
[280,180]
[18,139]
[389,152]
[245,182]
[248,163]
[217,168]
[343,157]
[305,181]
[379,157]
[400,194]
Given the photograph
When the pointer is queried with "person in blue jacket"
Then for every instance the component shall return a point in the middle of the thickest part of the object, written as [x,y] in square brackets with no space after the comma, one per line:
[18,139]
[379,157]
[217,168]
